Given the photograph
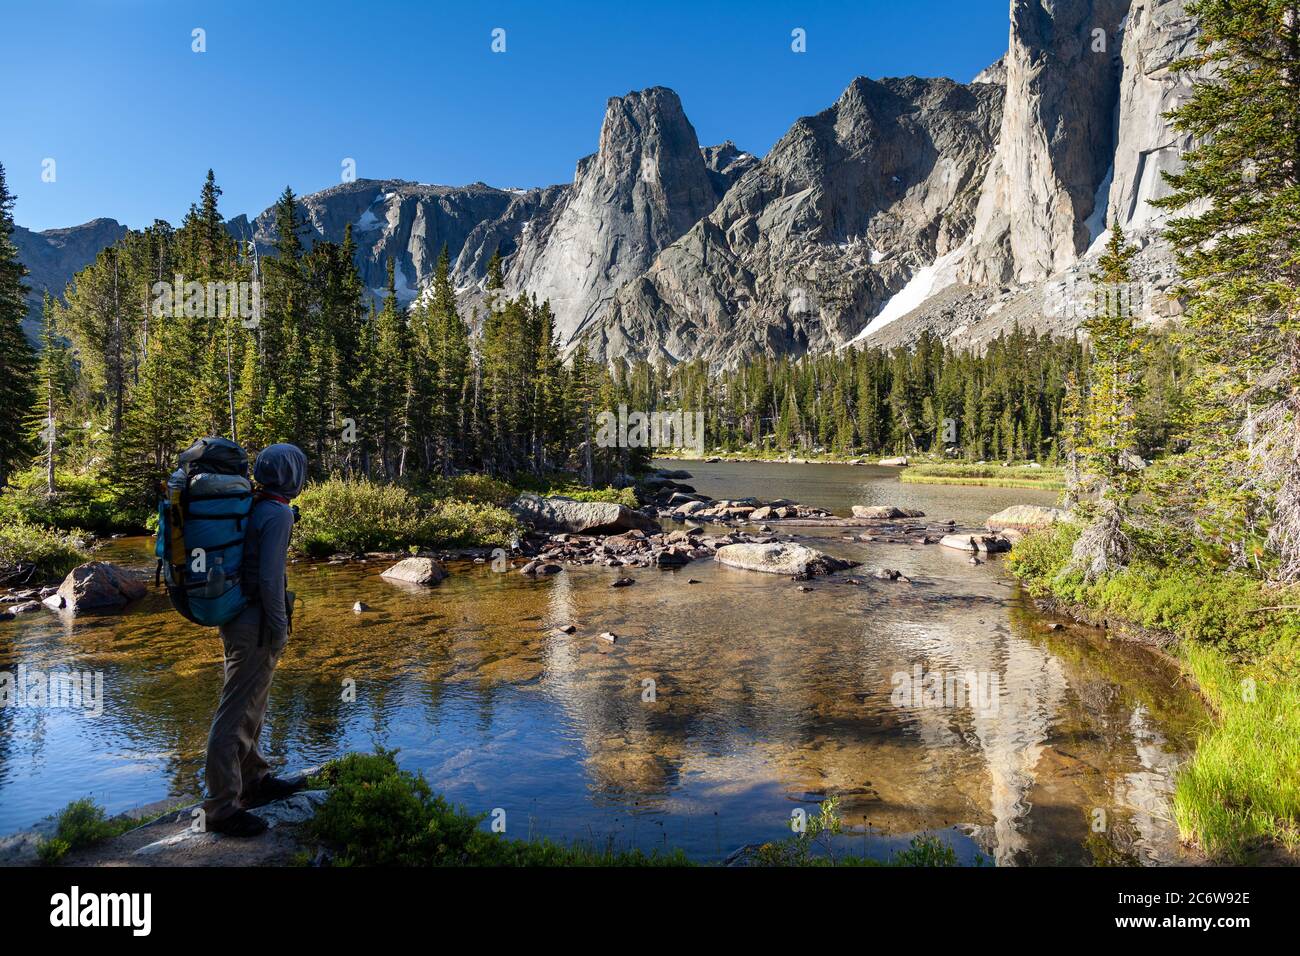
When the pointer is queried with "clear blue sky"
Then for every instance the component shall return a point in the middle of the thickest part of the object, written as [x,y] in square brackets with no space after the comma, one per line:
[111,90]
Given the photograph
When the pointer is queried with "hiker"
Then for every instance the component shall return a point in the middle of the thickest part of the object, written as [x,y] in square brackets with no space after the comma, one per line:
[238,776]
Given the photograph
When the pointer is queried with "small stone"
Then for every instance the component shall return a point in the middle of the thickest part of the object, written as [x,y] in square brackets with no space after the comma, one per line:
[609,637]
[360,607]
[623,582]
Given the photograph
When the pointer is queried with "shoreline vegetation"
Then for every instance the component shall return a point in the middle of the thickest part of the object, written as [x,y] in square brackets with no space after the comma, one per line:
[1237,799]
[911,470]
[374,814]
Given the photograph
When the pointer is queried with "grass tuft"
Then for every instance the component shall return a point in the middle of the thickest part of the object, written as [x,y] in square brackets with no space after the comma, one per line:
[81,824]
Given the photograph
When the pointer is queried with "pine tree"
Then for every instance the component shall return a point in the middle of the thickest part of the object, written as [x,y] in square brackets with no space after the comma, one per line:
[1239,256]
[17,361]
[1109,433]
[54,382]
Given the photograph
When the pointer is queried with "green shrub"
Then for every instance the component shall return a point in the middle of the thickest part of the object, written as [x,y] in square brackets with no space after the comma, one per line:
[1235,613]
[566,486]
[82,502]
[378,815]
[32,552]
[468,524]
[479,489]
[356,515]
[344,515]
[81,824]
[618,496]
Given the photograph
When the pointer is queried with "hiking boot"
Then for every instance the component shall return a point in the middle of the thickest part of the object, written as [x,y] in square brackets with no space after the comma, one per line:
[271,788]
[241,823]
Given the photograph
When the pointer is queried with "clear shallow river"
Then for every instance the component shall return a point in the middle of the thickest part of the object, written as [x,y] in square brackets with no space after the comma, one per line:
[767,698]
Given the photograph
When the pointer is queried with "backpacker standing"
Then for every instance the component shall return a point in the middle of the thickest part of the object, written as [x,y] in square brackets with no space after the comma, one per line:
[238,776]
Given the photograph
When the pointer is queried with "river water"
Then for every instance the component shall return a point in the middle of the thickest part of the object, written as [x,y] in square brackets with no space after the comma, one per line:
[724,706]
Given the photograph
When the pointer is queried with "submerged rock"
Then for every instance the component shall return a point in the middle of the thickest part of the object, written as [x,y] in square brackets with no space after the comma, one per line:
[794,560]
[424,571]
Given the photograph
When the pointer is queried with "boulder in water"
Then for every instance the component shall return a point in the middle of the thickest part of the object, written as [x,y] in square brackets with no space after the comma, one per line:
[96,586]
[885,511]
[579,517]
[1025,518]
[794,560]
[422,571]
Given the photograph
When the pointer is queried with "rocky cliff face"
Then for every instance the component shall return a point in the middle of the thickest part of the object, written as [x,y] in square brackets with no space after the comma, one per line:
[809,243]
[390,218]
[1156,34]
[1030,259]
[910,204]
[54,256]
[1079,143]
[1056,141]
[646,185]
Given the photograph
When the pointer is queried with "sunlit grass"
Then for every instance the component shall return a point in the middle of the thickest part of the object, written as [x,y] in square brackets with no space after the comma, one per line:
[1242,785]
[992,476]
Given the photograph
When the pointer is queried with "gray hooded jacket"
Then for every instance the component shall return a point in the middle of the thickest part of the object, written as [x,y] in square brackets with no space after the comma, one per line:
[280,470]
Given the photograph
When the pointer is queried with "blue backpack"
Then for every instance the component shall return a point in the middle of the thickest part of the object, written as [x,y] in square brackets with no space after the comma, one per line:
[203,512]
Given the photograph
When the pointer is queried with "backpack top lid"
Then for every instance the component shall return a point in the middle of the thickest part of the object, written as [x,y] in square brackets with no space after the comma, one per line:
[214,455]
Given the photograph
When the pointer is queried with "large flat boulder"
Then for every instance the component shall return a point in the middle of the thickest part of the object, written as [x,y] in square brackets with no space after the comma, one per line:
[885,511]
[96,586]
[579,517]
[794,560]
[1025,518]
[422,571]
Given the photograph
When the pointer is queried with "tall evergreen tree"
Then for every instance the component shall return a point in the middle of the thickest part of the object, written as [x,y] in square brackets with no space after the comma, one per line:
[17,362]
[1239,254]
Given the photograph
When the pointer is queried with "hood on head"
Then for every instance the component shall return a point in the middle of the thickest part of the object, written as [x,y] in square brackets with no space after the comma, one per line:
[281,469]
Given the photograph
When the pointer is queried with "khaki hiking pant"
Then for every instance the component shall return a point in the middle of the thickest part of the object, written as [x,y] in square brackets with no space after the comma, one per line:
[235,763]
